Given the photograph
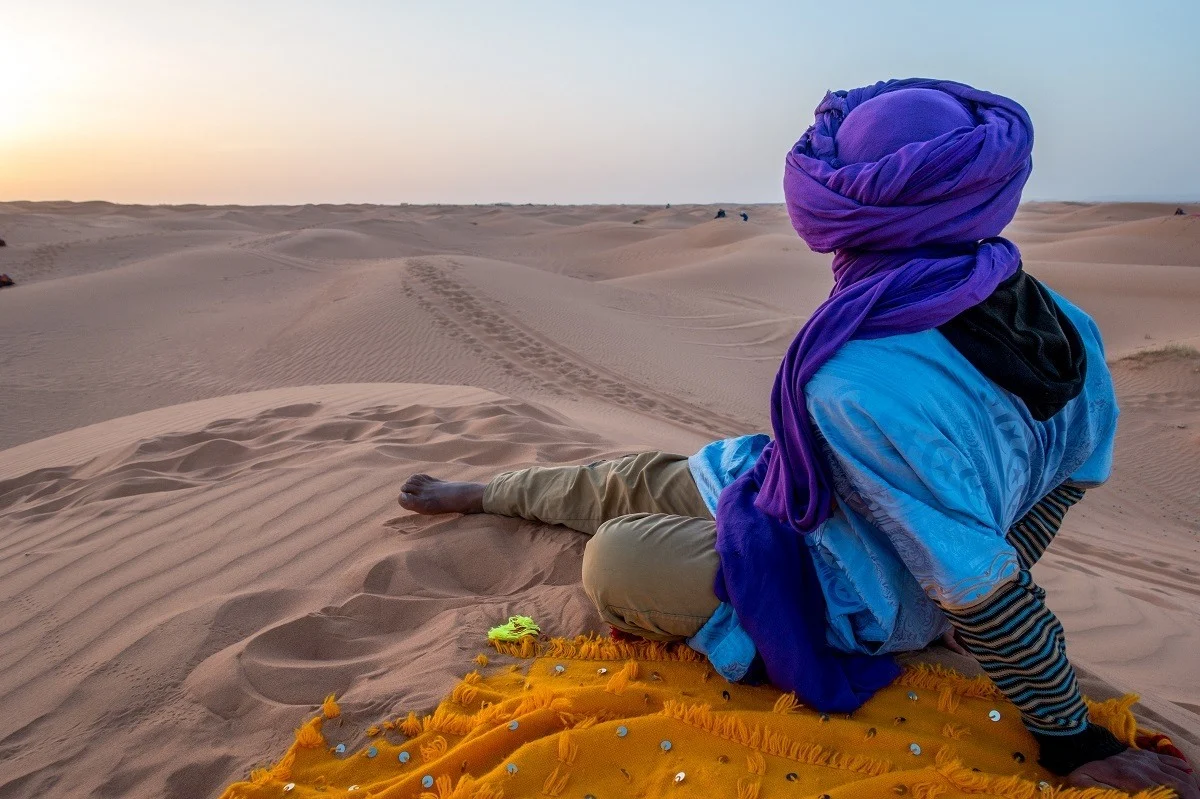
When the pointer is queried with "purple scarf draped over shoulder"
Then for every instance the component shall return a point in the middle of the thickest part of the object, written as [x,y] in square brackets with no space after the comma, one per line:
[909,183]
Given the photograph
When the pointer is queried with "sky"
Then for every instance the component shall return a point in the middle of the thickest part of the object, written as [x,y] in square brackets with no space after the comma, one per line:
[562,101]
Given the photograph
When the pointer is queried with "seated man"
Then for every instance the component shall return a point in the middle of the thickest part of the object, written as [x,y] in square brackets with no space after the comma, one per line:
[933,421]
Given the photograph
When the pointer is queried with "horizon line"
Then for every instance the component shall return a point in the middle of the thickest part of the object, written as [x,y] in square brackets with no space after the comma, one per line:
[1109,200]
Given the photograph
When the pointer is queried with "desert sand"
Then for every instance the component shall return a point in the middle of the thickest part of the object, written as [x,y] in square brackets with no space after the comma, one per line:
[206,413]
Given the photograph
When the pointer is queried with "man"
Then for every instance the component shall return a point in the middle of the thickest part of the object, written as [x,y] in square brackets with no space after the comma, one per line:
[932,423]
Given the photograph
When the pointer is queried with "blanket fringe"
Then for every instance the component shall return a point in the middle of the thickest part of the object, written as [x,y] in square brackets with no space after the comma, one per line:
[787,703]
[411,726]
[467,788]
[934,677]
[1117,715]
[568,749]
[1016,787]
[309,736]
[434,749]
[620,681]
[595,647]
[451,723]
[540,698]
[556,783]
[769,741]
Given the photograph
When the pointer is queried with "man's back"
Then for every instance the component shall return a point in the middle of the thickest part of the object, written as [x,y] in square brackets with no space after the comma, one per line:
[933,463]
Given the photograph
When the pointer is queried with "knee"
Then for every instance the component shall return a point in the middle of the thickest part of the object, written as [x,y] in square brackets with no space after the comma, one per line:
[610,556]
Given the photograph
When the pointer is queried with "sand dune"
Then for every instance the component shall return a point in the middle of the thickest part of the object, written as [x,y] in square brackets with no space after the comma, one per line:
[234,556]
[1173,244]
[208,411]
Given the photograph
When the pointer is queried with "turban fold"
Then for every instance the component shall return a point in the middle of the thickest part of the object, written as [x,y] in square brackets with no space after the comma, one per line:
[909,183]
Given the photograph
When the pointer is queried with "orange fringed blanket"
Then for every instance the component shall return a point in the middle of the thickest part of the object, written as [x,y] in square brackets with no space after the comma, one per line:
[596,718]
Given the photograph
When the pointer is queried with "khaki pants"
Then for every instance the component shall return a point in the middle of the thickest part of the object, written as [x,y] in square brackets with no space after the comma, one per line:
[651,560]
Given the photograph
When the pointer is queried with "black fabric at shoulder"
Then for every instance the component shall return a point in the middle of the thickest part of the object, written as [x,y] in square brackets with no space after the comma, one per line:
[1021,340]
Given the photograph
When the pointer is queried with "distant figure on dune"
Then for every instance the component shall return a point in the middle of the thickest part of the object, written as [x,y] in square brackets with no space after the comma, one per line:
[932,422]
[720,214]
[745,216]
[1178,212]
[6,281]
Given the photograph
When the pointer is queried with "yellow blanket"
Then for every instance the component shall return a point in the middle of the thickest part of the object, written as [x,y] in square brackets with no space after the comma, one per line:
[595,718]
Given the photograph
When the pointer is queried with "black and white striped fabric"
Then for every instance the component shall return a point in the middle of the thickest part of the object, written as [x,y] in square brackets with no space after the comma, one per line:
[1035,530]
[1017,640]
[1020,644]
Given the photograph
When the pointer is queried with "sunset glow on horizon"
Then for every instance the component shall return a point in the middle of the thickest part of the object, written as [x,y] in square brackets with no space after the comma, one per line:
[462,102]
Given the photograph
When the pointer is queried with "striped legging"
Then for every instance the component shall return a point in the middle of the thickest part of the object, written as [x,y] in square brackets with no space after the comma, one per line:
[1017,640]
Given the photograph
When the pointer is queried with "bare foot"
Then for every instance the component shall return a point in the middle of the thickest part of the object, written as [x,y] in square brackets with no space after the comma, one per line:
[429,495]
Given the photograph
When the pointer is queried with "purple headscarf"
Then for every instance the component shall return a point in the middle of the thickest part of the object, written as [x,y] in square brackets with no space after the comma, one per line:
[909,183]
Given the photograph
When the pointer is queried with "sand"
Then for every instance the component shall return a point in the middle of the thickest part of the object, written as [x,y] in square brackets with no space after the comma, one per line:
[207,412]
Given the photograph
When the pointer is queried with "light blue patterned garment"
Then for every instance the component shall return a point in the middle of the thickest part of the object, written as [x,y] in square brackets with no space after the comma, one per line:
[718,464]
[727,645]
[932,463]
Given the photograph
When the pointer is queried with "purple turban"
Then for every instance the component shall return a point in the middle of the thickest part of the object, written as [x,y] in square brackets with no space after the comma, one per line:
[909,183]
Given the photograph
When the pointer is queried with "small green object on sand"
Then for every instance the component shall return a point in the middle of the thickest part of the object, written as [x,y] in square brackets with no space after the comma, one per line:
[517,628]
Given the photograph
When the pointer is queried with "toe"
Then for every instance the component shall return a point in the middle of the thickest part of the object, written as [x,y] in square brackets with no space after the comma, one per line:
[415,482]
